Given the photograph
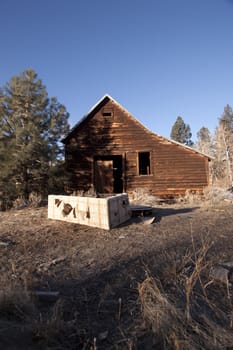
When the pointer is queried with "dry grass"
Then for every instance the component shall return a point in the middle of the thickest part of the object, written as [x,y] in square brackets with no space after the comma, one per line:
[200,264]
[143,196]
[196,324]
[165,320]
[48,326]
[16,303]
[100,305]
[215,195]
[211,196]
[170,327]
[21,314]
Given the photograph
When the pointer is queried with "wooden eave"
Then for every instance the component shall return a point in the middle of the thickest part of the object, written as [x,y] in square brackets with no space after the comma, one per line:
[107,98]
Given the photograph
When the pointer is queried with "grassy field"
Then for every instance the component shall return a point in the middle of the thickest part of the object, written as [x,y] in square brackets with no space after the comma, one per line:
[167,285]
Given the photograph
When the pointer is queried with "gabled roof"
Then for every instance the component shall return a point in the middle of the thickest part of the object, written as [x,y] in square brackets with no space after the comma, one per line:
[107,98]
[91,112]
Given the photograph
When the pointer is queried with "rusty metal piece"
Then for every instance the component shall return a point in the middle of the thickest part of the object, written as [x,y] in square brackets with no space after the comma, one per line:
[58,202]
[88,215]
[66,209]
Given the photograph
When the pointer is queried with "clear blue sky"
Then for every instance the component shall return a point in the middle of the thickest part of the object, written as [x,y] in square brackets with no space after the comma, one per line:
[158,58]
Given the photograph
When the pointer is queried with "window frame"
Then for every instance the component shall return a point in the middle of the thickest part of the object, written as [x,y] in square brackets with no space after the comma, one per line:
[147,165]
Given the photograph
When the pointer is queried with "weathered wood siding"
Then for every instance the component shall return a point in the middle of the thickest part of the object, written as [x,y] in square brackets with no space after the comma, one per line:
[174,168]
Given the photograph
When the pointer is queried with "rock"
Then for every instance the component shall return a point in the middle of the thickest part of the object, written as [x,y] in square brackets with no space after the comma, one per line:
[221,273]
[103,335]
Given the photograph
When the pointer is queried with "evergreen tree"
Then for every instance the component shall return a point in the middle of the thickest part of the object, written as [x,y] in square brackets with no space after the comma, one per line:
[204,141]
[226,119]
[31,127]
[181,132]
[6,160]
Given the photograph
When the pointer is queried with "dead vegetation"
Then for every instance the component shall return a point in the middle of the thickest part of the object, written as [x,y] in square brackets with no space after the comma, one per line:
[212,195]
[189,318]
[167,285]
[142,196]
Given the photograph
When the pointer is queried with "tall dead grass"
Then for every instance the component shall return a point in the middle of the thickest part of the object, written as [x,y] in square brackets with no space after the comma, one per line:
[215,195]
[211,196]
[143,196]
[16,304]
[184,318]
[165,320]
[19,311]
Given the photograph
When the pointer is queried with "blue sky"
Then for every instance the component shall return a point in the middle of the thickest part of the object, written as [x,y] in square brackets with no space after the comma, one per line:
[158,58]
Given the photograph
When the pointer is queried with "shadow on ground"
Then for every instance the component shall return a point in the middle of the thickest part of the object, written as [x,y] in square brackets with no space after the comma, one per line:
[173,211]
[158,214]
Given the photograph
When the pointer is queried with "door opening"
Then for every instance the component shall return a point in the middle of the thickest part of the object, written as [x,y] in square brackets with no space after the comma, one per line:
[108,174]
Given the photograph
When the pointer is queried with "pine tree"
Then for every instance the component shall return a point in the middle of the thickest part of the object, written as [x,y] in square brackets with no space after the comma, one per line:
[31,127]
[181,132]
[226,119]
[204,141]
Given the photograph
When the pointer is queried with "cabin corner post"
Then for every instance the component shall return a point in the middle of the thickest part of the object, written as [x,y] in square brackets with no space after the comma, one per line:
[124,171]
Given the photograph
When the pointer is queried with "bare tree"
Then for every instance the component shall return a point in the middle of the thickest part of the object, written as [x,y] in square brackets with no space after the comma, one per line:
[223,157]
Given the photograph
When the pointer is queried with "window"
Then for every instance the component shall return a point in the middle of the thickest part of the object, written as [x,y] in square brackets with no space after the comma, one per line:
[144,163]
[107,112]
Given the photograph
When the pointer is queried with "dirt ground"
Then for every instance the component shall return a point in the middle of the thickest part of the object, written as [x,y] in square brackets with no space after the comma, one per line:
[98,275]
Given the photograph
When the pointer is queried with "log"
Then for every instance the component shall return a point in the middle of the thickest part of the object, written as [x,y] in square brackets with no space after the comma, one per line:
[46,295]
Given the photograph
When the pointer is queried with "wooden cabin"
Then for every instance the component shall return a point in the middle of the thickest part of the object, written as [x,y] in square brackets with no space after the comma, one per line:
[110,151]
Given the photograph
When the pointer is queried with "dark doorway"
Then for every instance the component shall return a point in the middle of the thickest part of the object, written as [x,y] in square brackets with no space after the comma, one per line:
[108,174]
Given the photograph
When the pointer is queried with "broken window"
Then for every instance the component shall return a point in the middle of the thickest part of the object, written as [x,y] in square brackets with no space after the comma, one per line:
[144,163]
